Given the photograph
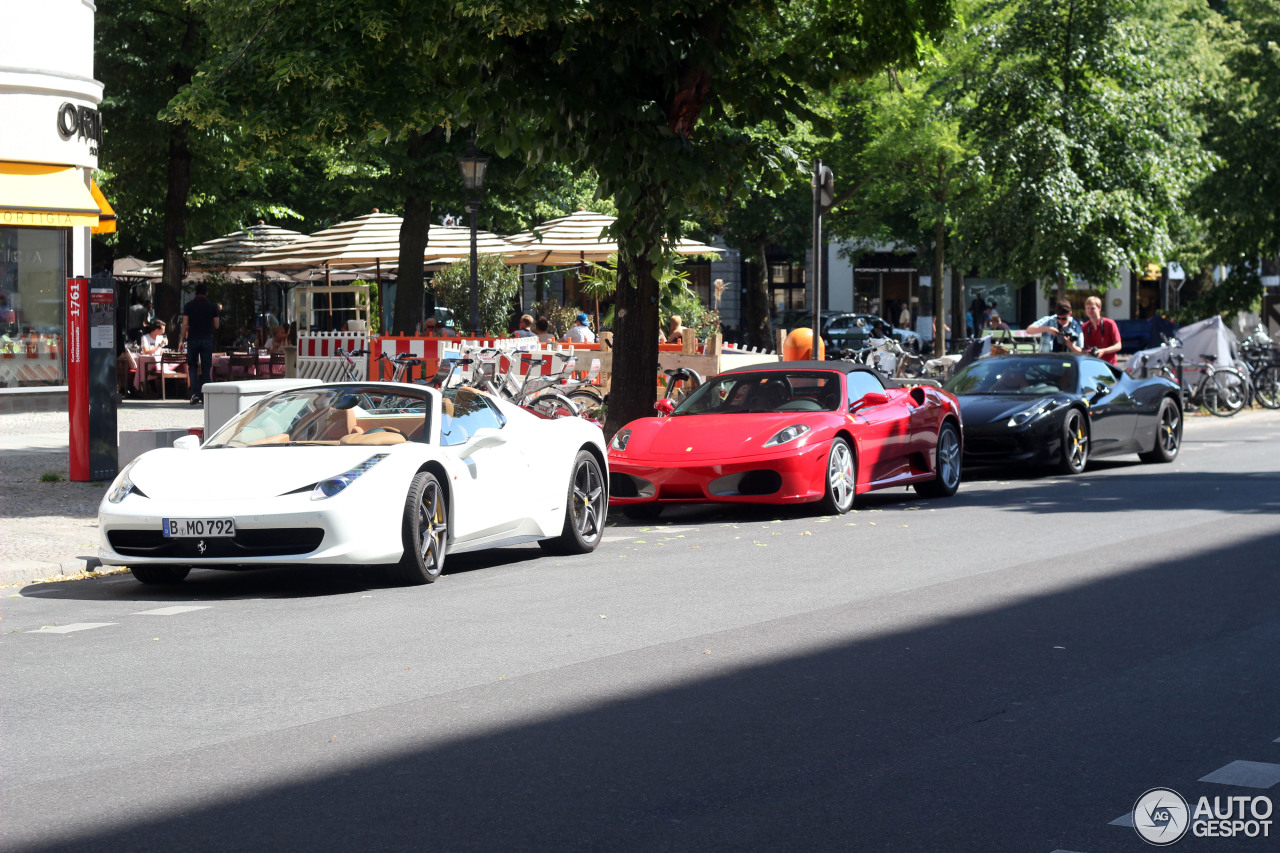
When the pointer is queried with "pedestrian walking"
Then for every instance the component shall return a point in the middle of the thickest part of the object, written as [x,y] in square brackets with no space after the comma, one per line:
[200,319]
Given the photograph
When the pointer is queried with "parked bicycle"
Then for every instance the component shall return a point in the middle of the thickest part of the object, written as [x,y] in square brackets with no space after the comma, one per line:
[1262,356]
[1221,391]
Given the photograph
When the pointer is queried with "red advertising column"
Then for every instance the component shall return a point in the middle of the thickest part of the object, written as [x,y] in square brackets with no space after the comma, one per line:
[78,375]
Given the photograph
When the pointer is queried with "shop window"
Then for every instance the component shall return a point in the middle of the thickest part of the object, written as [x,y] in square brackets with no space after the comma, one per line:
[33,283]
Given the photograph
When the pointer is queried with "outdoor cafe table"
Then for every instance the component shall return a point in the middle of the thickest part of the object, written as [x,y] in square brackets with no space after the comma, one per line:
[222,365]
[148,365]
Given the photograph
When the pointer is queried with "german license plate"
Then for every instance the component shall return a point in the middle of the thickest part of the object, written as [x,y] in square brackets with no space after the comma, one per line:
[187,528]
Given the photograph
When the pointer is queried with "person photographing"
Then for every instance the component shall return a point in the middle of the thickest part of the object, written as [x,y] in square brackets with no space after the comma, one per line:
[1059,332]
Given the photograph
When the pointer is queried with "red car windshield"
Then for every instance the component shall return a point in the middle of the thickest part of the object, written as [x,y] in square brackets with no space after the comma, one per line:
[766,391]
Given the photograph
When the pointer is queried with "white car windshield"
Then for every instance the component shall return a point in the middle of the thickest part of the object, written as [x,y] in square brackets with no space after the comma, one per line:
[331,415]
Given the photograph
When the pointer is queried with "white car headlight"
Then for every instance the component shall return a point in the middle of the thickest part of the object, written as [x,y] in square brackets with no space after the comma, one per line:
[122,486]
[620,439]
[791,433]
[333,485]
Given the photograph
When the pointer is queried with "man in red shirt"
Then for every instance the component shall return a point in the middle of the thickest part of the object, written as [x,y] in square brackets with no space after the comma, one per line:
[1101,335]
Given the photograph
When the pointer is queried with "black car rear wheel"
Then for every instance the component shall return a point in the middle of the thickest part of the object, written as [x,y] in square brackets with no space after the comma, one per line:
[1168,434]
[1075,442]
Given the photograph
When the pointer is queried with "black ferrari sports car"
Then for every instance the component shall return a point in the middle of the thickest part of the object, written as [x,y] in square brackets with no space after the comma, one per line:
[1061,410]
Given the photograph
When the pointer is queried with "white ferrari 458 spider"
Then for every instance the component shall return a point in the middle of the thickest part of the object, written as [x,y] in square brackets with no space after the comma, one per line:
[358,473]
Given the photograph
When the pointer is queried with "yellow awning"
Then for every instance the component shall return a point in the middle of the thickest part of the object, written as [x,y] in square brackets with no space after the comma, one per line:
[106,215]
[40,196]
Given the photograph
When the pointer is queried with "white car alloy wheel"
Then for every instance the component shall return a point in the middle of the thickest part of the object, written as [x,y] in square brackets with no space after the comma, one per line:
[584,511]
[426,529]
[841,480]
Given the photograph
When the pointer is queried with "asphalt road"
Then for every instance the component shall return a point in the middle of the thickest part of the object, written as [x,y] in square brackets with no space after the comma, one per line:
[1009,669]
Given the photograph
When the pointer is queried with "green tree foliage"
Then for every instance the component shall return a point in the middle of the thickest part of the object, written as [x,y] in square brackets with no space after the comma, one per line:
[908,169]
[381,85]
[1237,200]
[498,284]
[1083,123]
[659,99]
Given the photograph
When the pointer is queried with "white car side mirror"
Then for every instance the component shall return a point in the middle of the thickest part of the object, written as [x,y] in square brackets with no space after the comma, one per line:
[187,442]
[485,437]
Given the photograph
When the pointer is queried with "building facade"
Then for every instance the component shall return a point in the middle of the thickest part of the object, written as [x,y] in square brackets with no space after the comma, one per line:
[50,130]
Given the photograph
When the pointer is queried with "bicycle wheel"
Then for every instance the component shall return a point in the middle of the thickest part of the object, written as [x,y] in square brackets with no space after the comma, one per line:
[1224,392]
[588,400]
[1267,387]
[553,404]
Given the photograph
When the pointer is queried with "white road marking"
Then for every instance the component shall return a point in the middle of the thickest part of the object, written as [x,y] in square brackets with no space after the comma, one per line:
[617,538]
[78,626]
[171,611]
[1246,774]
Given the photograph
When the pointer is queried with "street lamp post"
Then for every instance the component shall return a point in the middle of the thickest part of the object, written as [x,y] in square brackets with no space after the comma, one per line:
[823,197]
[473,167]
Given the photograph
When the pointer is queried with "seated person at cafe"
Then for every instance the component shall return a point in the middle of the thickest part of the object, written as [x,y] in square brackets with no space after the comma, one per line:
[279,339]
[153,338]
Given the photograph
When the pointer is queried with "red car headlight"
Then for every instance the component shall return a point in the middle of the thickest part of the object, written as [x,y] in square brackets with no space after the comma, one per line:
[791,433]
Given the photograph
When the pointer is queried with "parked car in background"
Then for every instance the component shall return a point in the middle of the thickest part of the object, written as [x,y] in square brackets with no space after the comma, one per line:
[843,331]
[1061,410]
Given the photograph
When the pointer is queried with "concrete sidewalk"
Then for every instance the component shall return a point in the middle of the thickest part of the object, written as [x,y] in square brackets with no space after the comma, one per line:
[50,529]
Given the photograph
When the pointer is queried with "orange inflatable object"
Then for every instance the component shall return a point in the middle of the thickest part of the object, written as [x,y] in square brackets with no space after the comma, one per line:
[798,346]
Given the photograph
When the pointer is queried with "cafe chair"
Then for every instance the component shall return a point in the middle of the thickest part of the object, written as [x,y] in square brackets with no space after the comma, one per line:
[243,365]
[277,369]
[177,361]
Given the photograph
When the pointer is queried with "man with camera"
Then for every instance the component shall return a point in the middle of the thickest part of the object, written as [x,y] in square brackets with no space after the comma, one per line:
[1059,332]
[1101,335]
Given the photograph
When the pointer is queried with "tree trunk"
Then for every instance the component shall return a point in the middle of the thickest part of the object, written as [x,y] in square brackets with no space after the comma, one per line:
[635,338]
[414,231]
[958,296]
[755,314]
[939,291]
[169,296]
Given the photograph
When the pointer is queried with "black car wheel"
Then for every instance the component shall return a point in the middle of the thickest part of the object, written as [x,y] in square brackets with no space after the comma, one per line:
[584,511]
[841,478]
[1168,434]
[946,466]
[425,531]
[160,575]
[1075,442]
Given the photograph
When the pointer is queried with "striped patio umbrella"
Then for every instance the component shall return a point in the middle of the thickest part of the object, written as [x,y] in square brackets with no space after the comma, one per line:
[581,237]
[373,239]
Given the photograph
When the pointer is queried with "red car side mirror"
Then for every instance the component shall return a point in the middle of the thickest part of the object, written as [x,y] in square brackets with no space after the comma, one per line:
[871,398]
[664,406]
